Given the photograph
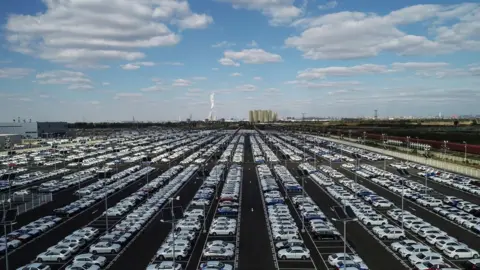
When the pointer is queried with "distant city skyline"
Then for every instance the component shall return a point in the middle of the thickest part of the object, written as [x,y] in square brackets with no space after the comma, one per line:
[65,61]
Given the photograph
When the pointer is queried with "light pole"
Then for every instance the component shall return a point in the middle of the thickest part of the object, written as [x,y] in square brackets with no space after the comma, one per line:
[173,225]
[408,144]
[303,199]
[465,158]
[345,221]
[445,149]
[403,193]
[106,205]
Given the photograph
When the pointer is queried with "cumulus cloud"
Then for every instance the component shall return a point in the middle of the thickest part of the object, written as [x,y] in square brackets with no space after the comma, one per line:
[14,73]
[86,32]
[321,73]
[246,88]
[236,74]
[330,36]
[181,83]
[125,95]
[251,56]
[257,78]
[228,62]
[199,78]
[278,11]
[328,5]
[137,65]
[223,44]
[74,79]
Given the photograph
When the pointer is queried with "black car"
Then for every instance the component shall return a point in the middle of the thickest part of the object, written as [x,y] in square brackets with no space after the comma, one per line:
[324,234]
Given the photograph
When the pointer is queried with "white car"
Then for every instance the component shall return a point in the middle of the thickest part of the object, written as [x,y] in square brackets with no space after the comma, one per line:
[220,244]
[218,253]
[54,256]
[396,246]
[294,253]
[104,247]
[382,204]
[374,220]
[460,252]
[413,250]
[443,244]
[392,234]
[222,230]
[90,258]
[285,235]
[425,257]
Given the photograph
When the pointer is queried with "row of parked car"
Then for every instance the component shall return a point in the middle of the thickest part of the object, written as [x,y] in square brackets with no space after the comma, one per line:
[436,237]
[109,187]
[288,150]
[459,211]
[113,240]
[283,228]
[261,152]
[451,179]
[33,178]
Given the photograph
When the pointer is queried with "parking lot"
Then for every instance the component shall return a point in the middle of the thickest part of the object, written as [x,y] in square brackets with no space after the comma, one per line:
[239,200]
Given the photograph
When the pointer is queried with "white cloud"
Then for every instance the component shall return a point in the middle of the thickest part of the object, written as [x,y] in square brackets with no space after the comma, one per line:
[419,65]
[223,44]
[86,32]
[127,95]
[331,36]
[320,73]
[14,73]
[246,88]
[155,88]
[94,102]
[278,11]
[253,43]
[253,56]
[181,83]
[105,83]
[199,78]
[236,74]
[228,62]
[137,65]
[194,21]
[257,78]
[314,85]
[172,63]
[86,66]
[215,69]
[75,79]
[130,67]
[328,5]
[22,99]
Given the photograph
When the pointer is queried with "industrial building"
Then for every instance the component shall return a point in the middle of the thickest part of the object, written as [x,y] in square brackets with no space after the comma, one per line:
[262,116]
[34,130]
[8,140]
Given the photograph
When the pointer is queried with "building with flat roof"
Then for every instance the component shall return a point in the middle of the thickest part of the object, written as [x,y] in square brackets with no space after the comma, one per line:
[35,129]
[262,116]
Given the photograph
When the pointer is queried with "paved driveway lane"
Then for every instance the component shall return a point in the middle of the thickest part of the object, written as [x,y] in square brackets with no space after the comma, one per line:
[463,235]
[255,247]
[368,248]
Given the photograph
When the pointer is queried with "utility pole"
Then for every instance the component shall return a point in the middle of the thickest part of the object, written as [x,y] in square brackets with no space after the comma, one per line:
[303,117]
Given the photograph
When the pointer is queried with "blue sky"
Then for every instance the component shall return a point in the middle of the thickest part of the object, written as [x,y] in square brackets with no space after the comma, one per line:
[112,60]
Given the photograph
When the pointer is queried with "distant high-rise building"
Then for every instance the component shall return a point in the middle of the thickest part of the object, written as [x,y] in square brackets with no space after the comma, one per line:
[262,116]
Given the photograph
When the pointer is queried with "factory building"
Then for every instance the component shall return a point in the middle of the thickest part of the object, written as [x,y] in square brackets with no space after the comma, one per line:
[34,130]
[262,116]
